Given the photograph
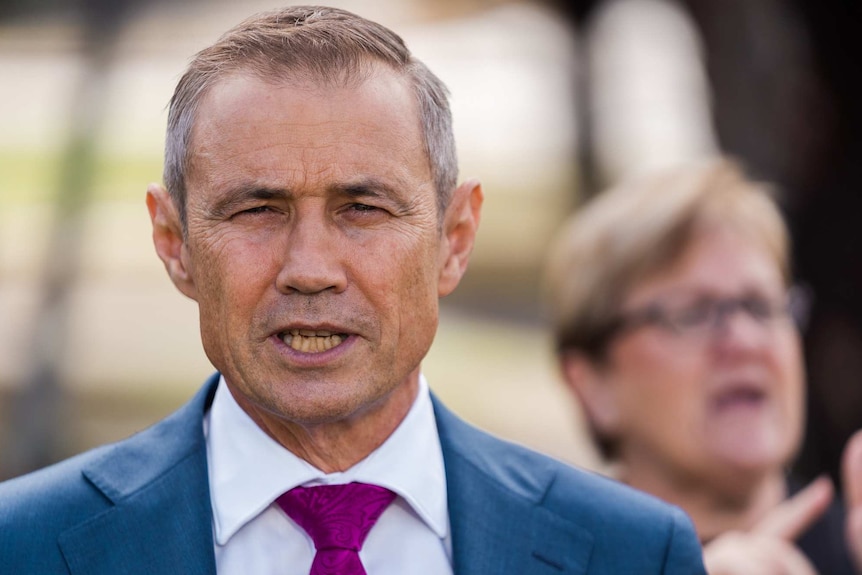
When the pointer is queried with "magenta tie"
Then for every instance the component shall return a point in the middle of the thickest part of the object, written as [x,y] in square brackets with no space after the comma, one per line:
[338,518]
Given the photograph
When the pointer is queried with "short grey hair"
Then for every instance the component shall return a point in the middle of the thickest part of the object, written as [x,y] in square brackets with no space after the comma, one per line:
[317,42]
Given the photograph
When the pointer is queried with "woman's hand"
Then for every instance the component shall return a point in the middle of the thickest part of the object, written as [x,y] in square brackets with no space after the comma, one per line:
[768,548]
[851,470]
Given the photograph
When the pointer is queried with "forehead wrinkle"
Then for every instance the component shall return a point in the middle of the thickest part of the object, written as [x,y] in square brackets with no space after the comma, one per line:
[253,147]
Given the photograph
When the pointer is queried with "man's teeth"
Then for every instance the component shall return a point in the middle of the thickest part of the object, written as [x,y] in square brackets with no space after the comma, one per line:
[310,341]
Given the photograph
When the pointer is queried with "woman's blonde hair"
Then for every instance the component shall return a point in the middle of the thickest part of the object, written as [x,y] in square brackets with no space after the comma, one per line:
[640,227]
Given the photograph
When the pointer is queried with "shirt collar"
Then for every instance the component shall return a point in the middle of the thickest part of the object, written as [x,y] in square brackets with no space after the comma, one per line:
[248,469]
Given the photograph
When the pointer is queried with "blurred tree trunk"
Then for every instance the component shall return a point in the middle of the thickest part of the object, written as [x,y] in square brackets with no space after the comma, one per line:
[37,422]
[787,85]
[786,88]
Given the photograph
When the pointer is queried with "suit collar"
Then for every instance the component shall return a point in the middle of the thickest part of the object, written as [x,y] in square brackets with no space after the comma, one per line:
[161,518]
[248,469]
[496,511]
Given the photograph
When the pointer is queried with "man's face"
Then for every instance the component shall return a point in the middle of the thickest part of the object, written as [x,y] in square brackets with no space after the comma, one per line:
[313,247]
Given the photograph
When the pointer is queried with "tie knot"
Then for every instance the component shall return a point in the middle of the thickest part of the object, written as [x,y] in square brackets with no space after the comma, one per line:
[336,516]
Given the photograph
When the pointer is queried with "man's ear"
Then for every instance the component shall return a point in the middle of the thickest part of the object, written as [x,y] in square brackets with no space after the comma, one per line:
[459,234]
[595,391]
[168,238]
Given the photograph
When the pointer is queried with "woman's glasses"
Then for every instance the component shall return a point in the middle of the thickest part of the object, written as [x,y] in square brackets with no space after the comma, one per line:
[707,315]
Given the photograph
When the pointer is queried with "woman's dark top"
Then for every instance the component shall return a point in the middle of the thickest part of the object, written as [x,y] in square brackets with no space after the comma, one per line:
[824,542]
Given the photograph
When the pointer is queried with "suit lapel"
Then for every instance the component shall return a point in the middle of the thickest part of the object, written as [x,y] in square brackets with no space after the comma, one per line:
[498,522]
[161,518]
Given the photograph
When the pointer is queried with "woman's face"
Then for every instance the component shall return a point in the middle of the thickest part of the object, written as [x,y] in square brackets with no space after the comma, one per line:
[709,398]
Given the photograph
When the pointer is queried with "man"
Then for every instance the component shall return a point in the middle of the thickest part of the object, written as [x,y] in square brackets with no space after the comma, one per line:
[312,212]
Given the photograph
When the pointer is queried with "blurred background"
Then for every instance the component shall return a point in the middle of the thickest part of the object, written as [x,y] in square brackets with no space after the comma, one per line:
[552,102]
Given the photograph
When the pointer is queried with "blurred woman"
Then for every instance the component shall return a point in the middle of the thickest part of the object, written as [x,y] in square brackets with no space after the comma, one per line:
[674,323]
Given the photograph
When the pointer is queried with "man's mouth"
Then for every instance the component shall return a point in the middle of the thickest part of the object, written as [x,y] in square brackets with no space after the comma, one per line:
[311,341]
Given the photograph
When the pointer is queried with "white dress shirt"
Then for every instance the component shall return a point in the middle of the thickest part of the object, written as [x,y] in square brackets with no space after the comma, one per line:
[248,470]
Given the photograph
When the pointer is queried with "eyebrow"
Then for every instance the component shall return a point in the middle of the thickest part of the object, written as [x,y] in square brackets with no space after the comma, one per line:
[373,188]
[368,187]
[242,194]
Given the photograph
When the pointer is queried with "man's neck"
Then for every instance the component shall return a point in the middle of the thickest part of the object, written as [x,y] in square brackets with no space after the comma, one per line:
[334,446]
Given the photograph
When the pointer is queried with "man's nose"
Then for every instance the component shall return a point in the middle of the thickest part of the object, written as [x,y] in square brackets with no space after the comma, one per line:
[313,258]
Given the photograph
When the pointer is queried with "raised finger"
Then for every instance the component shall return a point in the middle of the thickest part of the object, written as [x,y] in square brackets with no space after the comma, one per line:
[851,470]
[792,517]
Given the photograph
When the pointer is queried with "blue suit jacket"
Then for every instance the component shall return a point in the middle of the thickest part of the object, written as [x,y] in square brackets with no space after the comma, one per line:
[142,507]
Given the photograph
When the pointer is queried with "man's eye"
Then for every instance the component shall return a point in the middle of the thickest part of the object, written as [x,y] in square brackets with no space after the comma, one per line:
[257,210]
[363,208]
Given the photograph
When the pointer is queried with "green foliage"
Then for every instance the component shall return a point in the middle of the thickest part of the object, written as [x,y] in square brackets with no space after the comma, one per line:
[35,177]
